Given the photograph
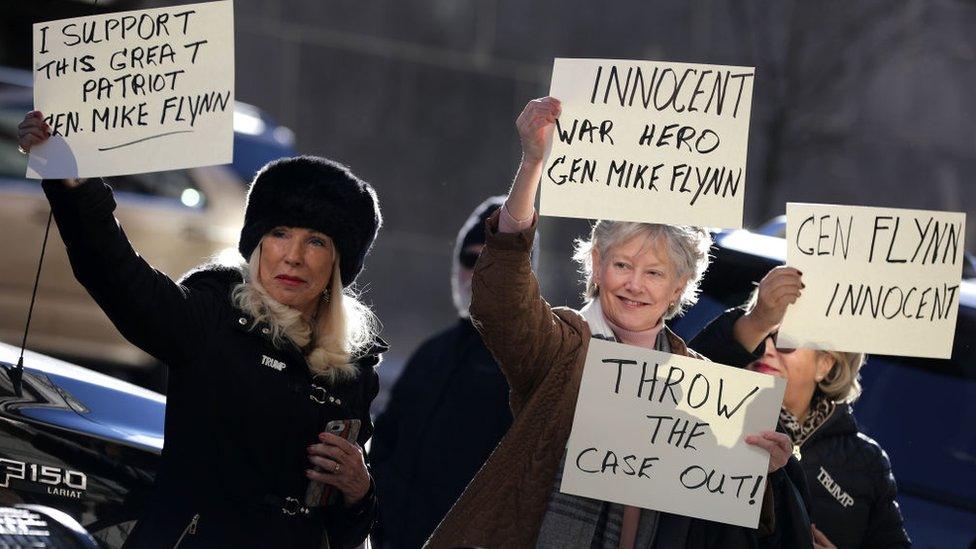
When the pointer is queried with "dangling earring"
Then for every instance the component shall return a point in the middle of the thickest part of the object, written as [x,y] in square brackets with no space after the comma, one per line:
[327,295]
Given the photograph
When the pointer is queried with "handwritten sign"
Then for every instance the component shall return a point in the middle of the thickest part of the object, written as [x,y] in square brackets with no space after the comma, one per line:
[135,91]
[878,280]
[666,432]
[647,141]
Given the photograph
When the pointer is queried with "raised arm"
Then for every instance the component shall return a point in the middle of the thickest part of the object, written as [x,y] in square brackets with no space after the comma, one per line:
[517,325]
[146,306]
[535,127]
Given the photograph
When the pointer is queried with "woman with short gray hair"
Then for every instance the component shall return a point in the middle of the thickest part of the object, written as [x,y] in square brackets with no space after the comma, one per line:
[637,276]
[687,247]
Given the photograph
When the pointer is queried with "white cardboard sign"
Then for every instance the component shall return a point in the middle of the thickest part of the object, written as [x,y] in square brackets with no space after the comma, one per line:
[649,141]
[135,91]
[878,280]
[666,432]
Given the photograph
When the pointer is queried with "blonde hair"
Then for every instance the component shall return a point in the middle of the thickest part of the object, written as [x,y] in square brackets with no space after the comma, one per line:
[843,382]
[343,329]
[687,249]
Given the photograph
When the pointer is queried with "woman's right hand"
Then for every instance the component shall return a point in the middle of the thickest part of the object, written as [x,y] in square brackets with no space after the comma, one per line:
[535,127]
[32,131]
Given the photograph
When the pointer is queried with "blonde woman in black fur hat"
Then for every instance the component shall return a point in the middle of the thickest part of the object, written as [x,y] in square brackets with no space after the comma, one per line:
[263,356]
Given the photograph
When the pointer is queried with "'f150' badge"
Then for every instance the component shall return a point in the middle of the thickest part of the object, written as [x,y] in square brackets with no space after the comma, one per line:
[42,478]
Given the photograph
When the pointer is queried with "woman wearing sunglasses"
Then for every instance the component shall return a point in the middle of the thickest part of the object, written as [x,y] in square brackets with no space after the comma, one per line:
[851,485]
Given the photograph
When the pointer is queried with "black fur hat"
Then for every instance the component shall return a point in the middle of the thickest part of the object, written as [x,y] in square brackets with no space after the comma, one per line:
[314,193]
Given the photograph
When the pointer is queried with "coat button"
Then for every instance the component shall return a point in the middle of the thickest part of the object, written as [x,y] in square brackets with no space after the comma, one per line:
[338,402]
[266,331]
[332,399]
[242,321]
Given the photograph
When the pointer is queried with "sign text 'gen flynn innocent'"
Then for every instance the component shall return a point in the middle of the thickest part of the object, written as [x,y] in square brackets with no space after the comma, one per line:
[878,280]
[135,91]
[648,141]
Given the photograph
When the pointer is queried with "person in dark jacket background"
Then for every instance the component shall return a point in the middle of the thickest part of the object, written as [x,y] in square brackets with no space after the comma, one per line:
[262,354]
[448,410]
[852,488]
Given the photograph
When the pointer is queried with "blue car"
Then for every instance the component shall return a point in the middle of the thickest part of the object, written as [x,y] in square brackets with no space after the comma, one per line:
[78,441]
[922,411]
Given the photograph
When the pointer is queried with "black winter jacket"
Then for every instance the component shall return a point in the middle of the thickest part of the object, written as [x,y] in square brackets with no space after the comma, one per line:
[851,486]
[447,412]
[240,412]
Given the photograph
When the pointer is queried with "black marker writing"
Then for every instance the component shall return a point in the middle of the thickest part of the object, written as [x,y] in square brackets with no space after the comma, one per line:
[196,48]
[717,181]
[44,40]
[630,175]
[63,66]
[891,301]
[646,386]
[144,139]
[139,57]
[936,242]
[580,170]
[584,130]
[119,116]
[813,243]
[64,123]
[681,432]
[663,89]
[696,477]
[611,463]
[723,409]
[179,108]
[128,84]
[706,142]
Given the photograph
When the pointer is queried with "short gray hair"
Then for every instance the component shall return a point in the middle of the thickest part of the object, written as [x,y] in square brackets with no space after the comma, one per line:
[687,248]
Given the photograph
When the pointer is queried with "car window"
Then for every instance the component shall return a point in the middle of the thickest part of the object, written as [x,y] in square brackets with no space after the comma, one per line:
[962,364]
[175,186]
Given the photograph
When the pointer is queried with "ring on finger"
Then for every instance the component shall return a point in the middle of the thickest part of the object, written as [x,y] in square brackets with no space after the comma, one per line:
[22,150]
[335,467]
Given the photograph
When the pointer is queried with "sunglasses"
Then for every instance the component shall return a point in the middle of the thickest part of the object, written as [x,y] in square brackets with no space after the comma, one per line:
[780,350]
[468,259]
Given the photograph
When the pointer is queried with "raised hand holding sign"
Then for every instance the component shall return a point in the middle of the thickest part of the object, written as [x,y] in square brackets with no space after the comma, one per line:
[649,141]
[136,91]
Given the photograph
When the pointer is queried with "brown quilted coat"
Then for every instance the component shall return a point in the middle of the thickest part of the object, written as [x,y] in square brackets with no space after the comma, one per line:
[541,351]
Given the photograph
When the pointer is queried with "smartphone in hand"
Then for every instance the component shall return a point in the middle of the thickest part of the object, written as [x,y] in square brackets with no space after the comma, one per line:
[320,494]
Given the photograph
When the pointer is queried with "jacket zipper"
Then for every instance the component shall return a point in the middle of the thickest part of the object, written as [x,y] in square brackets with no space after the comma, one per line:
[799,444]
[190,529]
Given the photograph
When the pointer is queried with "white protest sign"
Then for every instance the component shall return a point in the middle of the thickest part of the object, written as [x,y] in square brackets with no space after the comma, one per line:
[649,141]
[666,432]
[878,280]
[135,91]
